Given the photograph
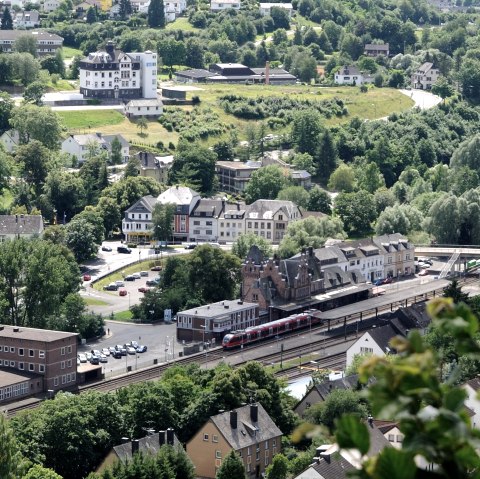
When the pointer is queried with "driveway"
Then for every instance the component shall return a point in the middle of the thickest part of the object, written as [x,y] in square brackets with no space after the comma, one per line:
[423,99]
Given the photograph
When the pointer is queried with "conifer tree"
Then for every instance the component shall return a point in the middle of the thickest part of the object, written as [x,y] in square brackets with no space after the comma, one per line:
[7,21]
[156,14]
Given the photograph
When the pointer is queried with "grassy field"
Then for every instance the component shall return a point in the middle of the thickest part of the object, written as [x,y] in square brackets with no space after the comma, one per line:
[94,302]
[69,52]
[181,23]
[61,85]
[125,316]
[83,120]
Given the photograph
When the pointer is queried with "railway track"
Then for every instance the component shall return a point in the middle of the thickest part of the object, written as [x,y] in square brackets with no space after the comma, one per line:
[339,333]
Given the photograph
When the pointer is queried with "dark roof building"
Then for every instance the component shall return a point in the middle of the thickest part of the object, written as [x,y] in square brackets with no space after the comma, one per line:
[47,43]
[20,226]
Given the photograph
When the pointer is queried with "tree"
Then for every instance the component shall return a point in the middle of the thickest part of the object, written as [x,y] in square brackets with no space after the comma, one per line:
[442,88]
[125,9]
[5,171]
[33,159]
[172,51]
[24,67]
[467,154]
[454,291]
[7,21]
[162,219]
[133,167]
[232,467]
[402,219]
[297,194]
[12,463]
[319,201]
[194,165]
[326,157]
[156,14]
[81,239]
[469,78]
[265,183]
[303,161]
[40,472]
[6,108]
[142,124]
[278,469]
[242,245]
[26,44]
[311,231]
[357,211]
[306,130]
[116,152]
[91,15]
[370,178]
[342,179]
[37,123]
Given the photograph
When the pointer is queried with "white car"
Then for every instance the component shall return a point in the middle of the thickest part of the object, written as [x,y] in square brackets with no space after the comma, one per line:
[103,358]
[106,351]
[137,275]
[120,283]
[82,357]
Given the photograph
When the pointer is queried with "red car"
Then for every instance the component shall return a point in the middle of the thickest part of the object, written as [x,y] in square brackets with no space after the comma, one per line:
[143,289]
[388,280]
[86,277]
[122,292]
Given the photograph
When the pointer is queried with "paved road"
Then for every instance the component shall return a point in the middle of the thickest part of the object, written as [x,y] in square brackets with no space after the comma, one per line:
[423,99]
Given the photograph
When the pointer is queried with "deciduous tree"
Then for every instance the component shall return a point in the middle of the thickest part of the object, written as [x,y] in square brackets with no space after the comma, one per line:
[232,467]
[242,245]
[265,183]
[357,211]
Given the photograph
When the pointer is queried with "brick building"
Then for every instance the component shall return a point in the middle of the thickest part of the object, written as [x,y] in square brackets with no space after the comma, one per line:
[35,360]
[248,430]
[213,321]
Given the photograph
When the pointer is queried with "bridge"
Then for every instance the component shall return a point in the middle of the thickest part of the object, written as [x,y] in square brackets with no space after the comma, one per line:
[464,252]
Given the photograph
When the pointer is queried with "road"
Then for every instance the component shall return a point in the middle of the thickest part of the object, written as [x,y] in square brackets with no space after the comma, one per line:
[423,99]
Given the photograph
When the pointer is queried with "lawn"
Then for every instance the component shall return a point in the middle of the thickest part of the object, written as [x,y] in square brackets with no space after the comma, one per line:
[61,85]
[69,52]
[125,316]
[94,302]
[85,119]
[181,23]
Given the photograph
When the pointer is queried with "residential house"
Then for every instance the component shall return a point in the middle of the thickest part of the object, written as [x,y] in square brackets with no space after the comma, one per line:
[177,6]
[20,226]
[472,402]
[349,75]
[82,8]
[301,178]
[212,322]
[137,224]
[148,108]
[10,139]
[203,220]
[51,5]
[26,19]
[319,392]
[80,146]
[231,223]
[266,8]
[219,5]
[35,361]
[375,341]
[153,166]
[149,444]
[375,50]
[425,76]
[248,430]
[399,255]
[140,6]
[233,176]
[47,43]
[113,74]
[185,199]
[270,218]
[390,431]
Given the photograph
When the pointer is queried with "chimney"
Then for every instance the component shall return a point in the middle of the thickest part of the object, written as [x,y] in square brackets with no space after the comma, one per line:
[254,412]
[267,73]
[170,436]
[125,440]
[16,330]
[310,251]
[370,421]
[161,438]
[226,306]
[238,205]
[110,48]
[135,446]
[233,419]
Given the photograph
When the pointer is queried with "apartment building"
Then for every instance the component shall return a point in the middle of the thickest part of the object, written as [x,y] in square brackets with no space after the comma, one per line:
[113,74]
[231,223]
[233,176]
[203,220]
[47,43]
[248,430]
[137,224]
[35,360]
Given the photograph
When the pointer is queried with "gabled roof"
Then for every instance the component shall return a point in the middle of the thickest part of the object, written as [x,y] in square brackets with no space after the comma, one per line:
[383,335]
[333,467]
[178,195]
[376,46]
[247,432]
[21,224]
[348,70]
[143,205]
[109,138]
[474,383]
[39,35]
[425,67]
[206,207]
[266,209]
[12,135]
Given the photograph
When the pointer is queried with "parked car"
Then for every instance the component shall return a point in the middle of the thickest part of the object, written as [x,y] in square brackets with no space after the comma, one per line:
[378,282]
[122,292]
[388,280]
[96,352]
[424,272]
[122,349]
[130,277]
[152,282]
[191,246]
[137,275]
[103,358]
[143,289]
[82,358]
[117,354]
[131,350]
[120,283]
[106,351]
[142,349]
[106,248]
[111,287]
[134,344]
[112,349]
[156,268]
[87,277]
[94,360]
[143,273]
[89,356]
[124,249]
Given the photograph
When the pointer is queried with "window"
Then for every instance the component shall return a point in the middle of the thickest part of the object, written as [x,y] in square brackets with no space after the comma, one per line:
[215,438]
[69,349]
[366,350]
[20,351]
[196,223]
[266,444]
[41,368]
[399,437]
[12,364]
[55,381]
[20,366]
[280,217]
[69,363]
[62,351]
[12,349]
[205,437]
[266,460]
[31,367]
[249,224]
[218,454]
[249,451]
[274,442]
[391,437]
[62,365]
[41,354]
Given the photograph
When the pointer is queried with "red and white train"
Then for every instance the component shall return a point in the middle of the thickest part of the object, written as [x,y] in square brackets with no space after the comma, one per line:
[270,330]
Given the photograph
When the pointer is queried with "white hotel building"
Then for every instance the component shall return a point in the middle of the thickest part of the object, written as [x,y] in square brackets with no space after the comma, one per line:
[115,74]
